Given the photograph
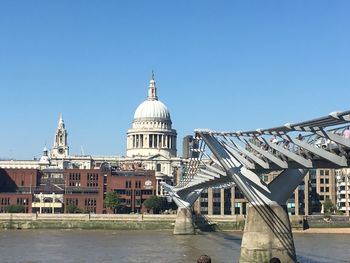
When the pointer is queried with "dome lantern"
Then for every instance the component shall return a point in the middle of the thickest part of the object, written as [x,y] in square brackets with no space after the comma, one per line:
[152,90]
[152,109]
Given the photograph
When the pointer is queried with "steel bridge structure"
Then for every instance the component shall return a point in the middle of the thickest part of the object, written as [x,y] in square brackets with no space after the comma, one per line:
[223,159]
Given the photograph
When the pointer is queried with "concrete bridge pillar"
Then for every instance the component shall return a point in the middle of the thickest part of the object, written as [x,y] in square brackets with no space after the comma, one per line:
[184,223]
[267,234]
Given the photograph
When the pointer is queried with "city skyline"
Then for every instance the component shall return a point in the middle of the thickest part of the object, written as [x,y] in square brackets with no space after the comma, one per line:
[233,66]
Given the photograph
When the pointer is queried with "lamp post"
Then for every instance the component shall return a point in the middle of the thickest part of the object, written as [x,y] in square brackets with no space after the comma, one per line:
[41,202]
[53,202]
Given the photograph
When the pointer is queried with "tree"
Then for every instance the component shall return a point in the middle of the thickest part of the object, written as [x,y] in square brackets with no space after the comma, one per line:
[328,206]
[112,201]
[73,209]
[15,209]
[154,203]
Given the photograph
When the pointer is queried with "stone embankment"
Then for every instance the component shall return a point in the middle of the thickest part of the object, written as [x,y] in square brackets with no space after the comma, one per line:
[307,224]
[87,221]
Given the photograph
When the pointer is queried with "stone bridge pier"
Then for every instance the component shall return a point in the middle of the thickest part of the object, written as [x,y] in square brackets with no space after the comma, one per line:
[267,234]
[184,201]
[184,223]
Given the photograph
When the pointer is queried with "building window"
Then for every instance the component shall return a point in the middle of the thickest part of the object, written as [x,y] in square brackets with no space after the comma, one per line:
[90,202]
[90,205]
[92,180]
[155,141]
[72,201]
[22,201]
[74,179]
[146,192]
[150,141]
[137,202]
[5,201]
[120,191]
[158,169]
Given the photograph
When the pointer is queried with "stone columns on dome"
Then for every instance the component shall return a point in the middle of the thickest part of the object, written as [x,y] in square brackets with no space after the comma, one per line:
[156,141]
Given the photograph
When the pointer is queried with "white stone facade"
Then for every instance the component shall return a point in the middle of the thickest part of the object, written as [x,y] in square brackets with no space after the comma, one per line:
[60,147]
[151,133]
[343,190]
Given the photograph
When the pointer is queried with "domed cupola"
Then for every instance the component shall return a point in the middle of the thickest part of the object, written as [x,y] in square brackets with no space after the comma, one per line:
[45,159]
[152,109]
[151,131]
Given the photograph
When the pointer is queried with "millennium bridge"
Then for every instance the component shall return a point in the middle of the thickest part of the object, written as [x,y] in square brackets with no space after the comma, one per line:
[224,159]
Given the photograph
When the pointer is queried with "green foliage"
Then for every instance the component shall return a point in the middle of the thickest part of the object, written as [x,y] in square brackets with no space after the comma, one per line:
[328,207]
[15,209]
[338,212]
[154,203]
[112,201]
[73,209]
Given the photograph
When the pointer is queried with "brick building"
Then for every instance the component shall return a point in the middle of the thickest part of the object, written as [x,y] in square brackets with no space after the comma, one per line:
[84,188]
[133,187]
[16,187]
[52,190]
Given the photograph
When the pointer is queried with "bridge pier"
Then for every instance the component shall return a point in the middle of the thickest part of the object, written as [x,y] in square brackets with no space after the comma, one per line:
[267,234]
[184,223]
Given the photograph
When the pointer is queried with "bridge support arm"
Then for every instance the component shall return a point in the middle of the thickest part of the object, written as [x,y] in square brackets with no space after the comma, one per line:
[267,232]
[283,186]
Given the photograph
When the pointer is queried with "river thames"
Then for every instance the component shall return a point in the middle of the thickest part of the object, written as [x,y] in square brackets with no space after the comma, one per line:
[34,246]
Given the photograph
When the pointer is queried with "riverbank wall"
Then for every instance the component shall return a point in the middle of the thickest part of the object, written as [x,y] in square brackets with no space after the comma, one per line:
[153,222]
[87,221]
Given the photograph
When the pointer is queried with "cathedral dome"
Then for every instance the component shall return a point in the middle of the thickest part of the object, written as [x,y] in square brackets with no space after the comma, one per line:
[152,109]
[151,132]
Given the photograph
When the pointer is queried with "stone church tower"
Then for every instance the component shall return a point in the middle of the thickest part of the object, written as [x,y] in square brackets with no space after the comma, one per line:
[60,147]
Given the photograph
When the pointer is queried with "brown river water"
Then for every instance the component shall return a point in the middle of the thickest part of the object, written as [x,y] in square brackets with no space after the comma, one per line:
[34,246]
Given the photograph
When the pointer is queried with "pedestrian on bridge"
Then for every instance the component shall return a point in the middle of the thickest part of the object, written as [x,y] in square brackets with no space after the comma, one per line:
[346,133]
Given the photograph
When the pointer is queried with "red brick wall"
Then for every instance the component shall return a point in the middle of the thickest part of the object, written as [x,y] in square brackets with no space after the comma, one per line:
[7,199]
[10,179]
[133,189]
[84,186]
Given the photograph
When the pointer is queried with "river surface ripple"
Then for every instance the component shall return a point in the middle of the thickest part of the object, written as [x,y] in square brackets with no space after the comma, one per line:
[85,246]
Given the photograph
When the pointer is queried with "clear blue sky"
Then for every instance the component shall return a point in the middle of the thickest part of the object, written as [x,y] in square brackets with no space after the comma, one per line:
[224,65]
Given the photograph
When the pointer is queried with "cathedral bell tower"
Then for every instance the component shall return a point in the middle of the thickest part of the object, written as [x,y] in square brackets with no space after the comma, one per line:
[60,147]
